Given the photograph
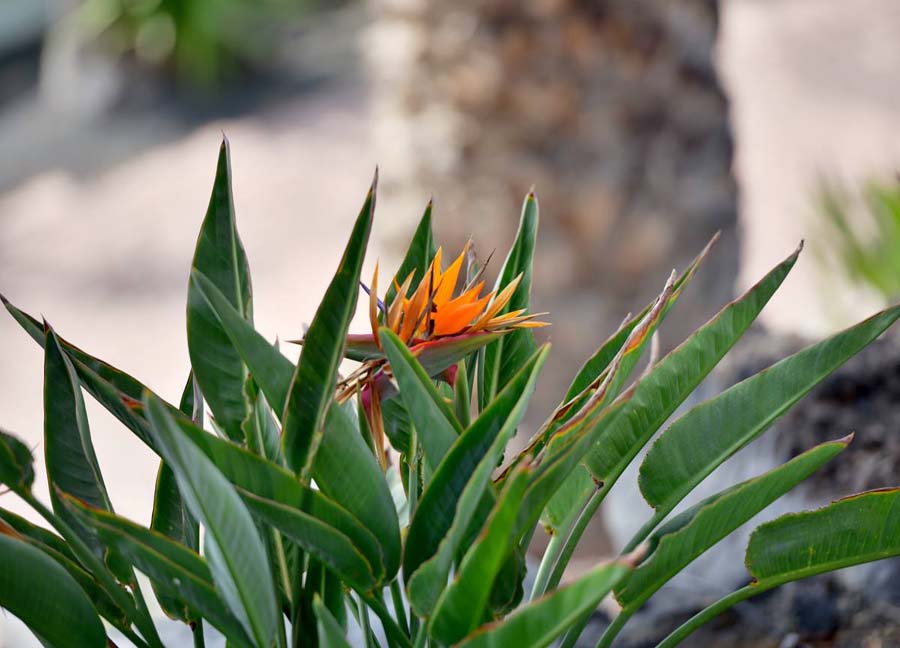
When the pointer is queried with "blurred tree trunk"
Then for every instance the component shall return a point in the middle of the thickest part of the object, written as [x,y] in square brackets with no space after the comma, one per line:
[612,109]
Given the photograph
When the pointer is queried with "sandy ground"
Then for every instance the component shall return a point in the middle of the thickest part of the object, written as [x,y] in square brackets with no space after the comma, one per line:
[105,257]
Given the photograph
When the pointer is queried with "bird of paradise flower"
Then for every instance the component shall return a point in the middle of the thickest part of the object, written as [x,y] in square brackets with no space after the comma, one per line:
[445,318]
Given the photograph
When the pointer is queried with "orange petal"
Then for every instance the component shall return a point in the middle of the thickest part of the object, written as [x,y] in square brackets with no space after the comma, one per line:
[450,320]
[435,268]
[396,309]
[499,302]
[471,295]
[506,316]
[446,283]
[412,310]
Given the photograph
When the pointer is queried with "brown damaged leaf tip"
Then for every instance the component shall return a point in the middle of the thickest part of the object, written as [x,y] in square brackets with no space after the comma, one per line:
[847,440]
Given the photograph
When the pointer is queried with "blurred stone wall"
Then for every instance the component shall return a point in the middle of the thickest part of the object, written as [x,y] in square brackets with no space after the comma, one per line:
[611,109]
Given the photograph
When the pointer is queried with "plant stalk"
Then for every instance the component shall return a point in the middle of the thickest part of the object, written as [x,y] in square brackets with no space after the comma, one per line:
[614,629]
[574,536]
[412,501]
[391,630]
[646,530]
[364,623]
[542,578]
[197,631]
[704,616]
[399,607]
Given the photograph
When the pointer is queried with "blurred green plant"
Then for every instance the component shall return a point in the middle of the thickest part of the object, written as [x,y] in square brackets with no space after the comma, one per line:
[308,520]
[203,43]
[871,254]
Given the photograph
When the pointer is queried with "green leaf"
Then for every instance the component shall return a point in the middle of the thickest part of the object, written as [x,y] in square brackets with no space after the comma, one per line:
[432,416]
[170,515]
[658,394]
[171,518]
[16,463]
[220,255]
[72,466]
[418,257]
[462,397]
[331,634]
[36,534]
[177,571]
[54,546]
[461,607]
[397,425]
[269,431]
[857,529]
[434,515]
[425,584]
[344,468]
[677,543]
[569,500]
[504,358]
[541,621]
[710,433]
[313,383]
[347,472]
[269,368]
[328,545]
[267,489]
[235,552]
[509,585]
[554,469]
[46,598]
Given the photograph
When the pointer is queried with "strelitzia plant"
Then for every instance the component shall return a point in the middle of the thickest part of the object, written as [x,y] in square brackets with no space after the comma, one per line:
[319,496]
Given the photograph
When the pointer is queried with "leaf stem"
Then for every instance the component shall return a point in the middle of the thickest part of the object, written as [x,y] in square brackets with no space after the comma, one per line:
[614,628]
[412,501]
[574,536]
[197,631]
[421,637]
[282,564]
[704,616]
[542,577]
[399,607]
[646,529]
[364,623]
[297,596]
[391,630]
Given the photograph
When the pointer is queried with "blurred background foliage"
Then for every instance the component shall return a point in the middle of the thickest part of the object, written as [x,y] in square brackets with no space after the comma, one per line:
[206,43]
[865,230]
